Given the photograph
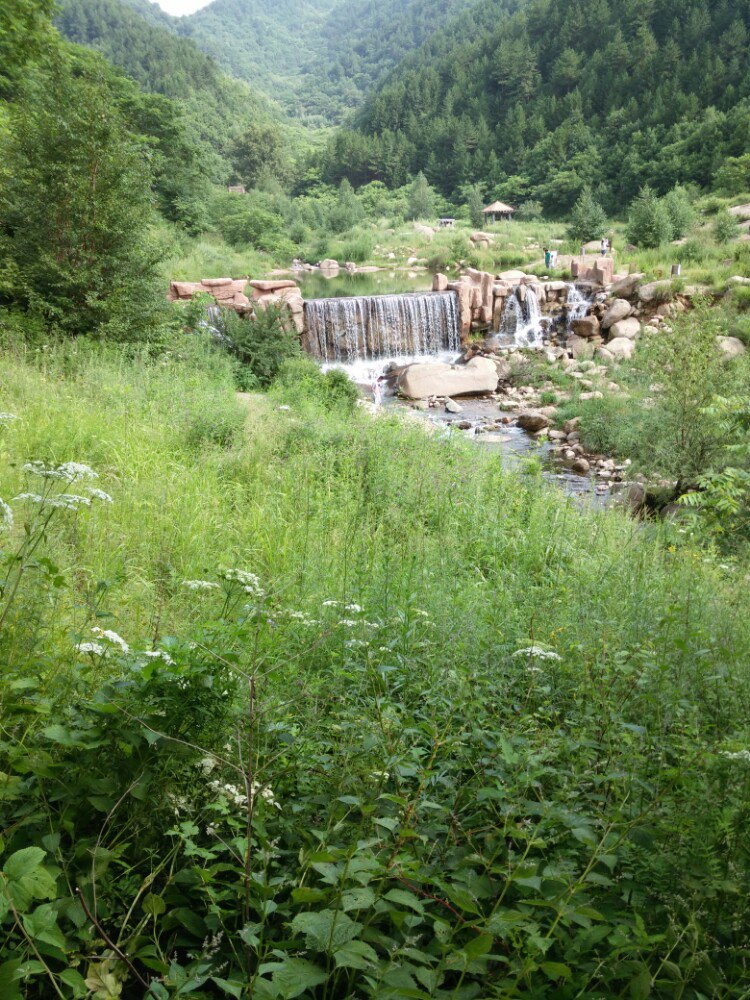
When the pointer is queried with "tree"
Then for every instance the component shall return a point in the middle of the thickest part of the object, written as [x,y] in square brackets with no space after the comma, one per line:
[588,220]
[680,211]
[475,204]
[74,215]
[347,211]
[420,199]
[25,32]
[725,227]
[258,151]
[649,224]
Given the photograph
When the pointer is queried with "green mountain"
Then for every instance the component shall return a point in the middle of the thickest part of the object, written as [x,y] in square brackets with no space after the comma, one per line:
[538,99]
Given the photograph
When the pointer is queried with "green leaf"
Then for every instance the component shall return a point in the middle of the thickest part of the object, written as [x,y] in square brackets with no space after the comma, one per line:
[295,976]
[357,899]
[75,981]
[640,985]
[325,930]
[355,955]
[23,862]
[9,988]
[405,899]
[41,926]
[556,970]
[233,989]
[154,904]
[26,879]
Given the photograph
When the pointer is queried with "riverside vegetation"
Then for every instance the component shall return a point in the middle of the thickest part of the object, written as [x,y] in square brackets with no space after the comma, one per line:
[301,703]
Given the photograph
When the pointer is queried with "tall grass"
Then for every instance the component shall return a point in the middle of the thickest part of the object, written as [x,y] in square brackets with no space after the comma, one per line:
[495,766]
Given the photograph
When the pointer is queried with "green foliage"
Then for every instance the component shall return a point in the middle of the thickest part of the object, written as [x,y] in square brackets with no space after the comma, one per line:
[420,199]
[25,34]
[649,223]
[80,254]
[430,809]
[680,211]
[261,343]
[734,175]
[475,205]
[587,220]
[529,210]
[301,380]
[346,212]
[725,227]
[259,151]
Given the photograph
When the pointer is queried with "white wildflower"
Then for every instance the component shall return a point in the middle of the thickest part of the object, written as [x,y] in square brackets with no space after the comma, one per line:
[100,495]
[68,471]
[199,585]
[330,604]
[356,643]
[7,417]
[212,944]
[6,516]
[348,623]
[249,581]
[207,764]
[63,501]
[112,637]
[736,754]
[158,654]
[94,648]
[537,653]
[302,618]
[354,608]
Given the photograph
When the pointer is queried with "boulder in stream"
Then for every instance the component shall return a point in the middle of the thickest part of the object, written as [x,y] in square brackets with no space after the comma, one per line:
[423,379]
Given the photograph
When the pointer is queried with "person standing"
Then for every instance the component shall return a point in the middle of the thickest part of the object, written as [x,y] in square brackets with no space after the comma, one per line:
[605,245]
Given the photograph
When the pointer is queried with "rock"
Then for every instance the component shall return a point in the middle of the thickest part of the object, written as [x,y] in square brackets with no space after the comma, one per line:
[621,348]
[328,265]
[587,327]
[217,282]
[464,425]
[423,379]
[603,354]
[274,285]
[626,287]
[635,497]
[421,404]
[619,309]
[452,406]
[654,291]
[581,466]
[557,435]
[424,230]
[439,283]
[513,276]
[570,425]
[531,420]
[595,394]
[740,211]
[630,328]
[737,279]
[731,347]
[350,267]
[580,347]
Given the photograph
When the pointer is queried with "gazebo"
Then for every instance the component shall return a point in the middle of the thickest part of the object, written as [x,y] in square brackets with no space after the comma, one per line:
[498,211]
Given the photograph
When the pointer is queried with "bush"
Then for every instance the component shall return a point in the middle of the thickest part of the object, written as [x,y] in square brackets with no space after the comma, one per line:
[421,199]
[588,220]
[529,210]
[649,224]
[725,227]
[302,380]
[260,344]
[358,248]
[680,211]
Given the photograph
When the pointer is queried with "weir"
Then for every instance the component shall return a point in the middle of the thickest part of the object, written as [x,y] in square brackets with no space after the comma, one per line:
[347,329]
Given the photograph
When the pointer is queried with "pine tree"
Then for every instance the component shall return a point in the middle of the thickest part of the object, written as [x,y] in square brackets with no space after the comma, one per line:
[421,198]
[588,220]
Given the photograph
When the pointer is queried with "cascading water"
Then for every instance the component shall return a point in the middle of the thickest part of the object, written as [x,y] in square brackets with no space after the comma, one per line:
[345,330]
[576,306]
[522,318]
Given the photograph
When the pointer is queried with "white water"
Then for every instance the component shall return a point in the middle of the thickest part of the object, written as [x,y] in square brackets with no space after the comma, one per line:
[347,330]
[522,321]
[576,305]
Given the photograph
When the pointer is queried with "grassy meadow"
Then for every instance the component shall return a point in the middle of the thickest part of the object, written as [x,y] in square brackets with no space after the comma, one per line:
[323,706]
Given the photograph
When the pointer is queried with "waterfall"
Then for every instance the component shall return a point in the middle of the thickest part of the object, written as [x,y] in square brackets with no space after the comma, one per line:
[576,305]
[522,318]
[375,326]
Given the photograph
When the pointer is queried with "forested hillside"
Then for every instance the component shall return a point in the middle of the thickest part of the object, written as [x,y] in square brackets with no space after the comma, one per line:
[537,100]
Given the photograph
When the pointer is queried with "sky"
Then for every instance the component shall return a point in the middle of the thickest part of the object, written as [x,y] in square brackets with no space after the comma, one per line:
[179,7]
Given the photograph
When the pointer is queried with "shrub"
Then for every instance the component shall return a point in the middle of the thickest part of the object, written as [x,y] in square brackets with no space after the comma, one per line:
[529,210]
[680,211]
[421,199]
[440,259]
[725,227]
[740,298]
[358,248]
[649,224]
[260,344]
[302,380]
[588,220]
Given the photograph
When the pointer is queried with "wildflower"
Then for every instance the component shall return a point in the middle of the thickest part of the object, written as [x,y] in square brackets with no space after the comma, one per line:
[348,623]
[112,637]
[100,495]
[68,471]
[736,754]
[6,516]
[199,585]
[158,654]
[537,653]
[94,648]
[330,604]
[63,501]
[354,608]
[7,417]
[302,618]
[207,764]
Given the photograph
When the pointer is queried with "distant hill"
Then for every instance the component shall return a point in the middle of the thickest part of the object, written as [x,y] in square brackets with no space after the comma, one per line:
[537,99]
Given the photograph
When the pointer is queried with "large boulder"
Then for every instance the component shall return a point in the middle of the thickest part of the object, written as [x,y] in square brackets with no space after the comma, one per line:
[439,283]
[654,291]
[424,379]
[731,347]
[621,348]
[630,328]
[586,326]
[619,309]
[512,276]
[627,287]
[580,347]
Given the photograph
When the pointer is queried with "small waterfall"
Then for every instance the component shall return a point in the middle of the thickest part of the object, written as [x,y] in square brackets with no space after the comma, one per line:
[576,305]
[376,326]
[522,318]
